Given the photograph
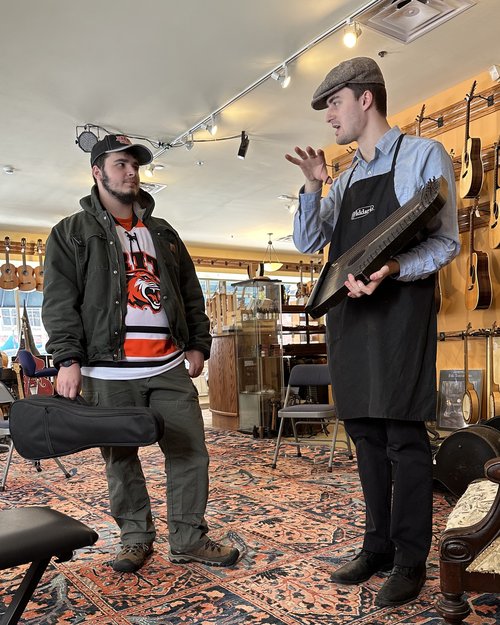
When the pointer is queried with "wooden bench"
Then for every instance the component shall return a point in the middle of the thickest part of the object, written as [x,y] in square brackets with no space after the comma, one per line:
[469,549]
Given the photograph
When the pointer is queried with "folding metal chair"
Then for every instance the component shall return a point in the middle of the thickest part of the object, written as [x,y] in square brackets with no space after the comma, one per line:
[307,413]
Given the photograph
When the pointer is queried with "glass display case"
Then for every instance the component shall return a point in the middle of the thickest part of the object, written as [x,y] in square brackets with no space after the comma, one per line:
[259,355]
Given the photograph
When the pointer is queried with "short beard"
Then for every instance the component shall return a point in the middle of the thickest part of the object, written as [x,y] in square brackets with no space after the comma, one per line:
[123,198]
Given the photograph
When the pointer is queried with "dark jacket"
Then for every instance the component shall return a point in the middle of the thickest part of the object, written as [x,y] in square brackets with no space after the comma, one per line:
[85,287]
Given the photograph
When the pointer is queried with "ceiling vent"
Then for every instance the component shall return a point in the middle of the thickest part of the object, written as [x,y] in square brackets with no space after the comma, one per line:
[405,20]
[152,188]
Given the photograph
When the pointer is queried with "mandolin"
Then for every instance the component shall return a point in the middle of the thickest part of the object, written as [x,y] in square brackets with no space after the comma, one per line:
[493,388]
[478,292]
[8,271]
[27,280]
[471,174]
[470,399]
[377,247]
[39,271]
[494,231]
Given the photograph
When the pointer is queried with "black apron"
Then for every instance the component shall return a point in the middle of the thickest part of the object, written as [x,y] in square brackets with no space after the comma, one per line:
[381,347]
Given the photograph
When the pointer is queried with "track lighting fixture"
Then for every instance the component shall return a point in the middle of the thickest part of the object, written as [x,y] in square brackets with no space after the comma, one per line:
[271,262]
[282,76]
[352,33]
[242,150]
[86,139]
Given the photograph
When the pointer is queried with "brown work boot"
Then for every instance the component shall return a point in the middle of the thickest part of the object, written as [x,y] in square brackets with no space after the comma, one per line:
[131,557]
[210,553]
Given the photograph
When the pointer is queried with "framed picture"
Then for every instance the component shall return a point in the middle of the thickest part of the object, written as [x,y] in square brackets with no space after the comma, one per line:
[451,391]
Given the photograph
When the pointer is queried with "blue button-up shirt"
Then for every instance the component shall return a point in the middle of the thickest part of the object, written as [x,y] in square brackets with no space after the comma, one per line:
[418,160]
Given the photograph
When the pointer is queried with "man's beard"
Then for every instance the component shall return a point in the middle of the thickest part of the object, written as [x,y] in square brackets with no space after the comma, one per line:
[123,198]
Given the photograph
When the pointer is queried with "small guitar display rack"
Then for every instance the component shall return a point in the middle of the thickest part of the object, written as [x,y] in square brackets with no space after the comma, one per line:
[471,402]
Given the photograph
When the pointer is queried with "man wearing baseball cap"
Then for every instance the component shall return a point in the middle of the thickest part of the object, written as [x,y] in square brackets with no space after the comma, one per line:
[124,310]
[382,336]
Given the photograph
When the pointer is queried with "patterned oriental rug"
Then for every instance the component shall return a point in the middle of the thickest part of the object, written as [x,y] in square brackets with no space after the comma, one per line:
[293,525]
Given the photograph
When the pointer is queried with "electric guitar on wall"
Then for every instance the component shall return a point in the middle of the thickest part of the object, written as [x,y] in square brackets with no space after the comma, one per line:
[471,174]
[494,389]
[470,399]
[478,290]
[27,280]
[8,271]
[494,230]
[39,270]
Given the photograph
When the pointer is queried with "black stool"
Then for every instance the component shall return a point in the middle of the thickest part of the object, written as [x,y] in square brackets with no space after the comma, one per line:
[35,535]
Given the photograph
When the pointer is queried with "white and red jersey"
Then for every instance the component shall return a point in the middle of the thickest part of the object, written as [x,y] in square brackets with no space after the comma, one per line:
[148,346]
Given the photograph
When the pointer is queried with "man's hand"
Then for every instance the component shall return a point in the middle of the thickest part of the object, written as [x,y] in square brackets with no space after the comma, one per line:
[69,381]
[313,165]
[357,288]
[196,361]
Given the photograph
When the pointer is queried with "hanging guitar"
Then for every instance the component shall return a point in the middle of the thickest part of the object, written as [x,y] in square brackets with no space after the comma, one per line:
[478,292]
[26,274]
[493,388]
[310,284]
[301,287]
[494,231]
[419,120]
[8,271]
[39,271]
[470,399]
[377,247]
[471,174]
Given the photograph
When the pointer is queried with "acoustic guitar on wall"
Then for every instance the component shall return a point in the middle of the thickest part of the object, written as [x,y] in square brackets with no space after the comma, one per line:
[471,173]
[494,230]
[494,388]
[470,399]
[26,274]
[8,271]
[478,291]
[39,271]
[301,293]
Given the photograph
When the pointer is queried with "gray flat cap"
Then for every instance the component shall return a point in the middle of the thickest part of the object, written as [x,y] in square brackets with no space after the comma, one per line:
[360,70]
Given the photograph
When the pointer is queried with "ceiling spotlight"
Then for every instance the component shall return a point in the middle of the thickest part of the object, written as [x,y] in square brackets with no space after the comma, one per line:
[151,168]
[86,139]
[282,76]
[211,126]
[352,33]
[242,151]
[188,144]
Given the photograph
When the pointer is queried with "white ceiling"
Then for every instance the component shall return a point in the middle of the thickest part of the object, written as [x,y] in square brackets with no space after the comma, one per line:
[157,68]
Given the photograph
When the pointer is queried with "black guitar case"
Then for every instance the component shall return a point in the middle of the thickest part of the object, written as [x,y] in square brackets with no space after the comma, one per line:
[461,457]
[48,426]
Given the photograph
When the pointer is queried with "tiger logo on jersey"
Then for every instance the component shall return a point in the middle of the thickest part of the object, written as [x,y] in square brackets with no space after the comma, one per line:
[143,290]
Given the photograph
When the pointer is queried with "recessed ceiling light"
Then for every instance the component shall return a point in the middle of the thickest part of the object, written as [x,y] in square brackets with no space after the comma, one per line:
[199,163]
[8,170]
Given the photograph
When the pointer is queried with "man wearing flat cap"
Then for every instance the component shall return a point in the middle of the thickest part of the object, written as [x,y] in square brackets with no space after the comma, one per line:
[382,336]
[124,310]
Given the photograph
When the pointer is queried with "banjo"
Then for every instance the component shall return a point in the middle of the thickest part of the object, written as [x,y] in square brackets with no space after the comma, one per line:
[377,247]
